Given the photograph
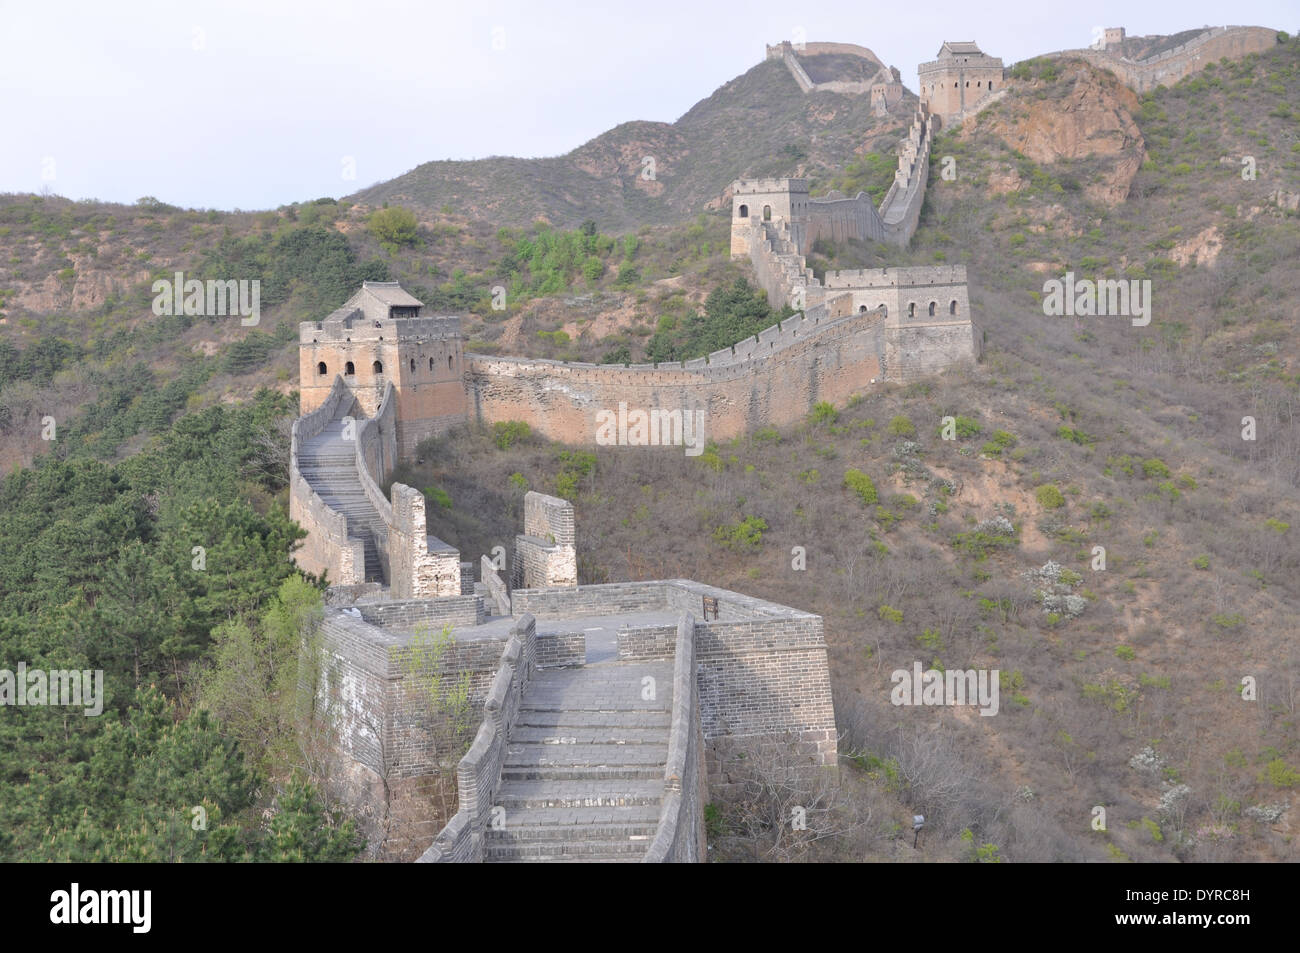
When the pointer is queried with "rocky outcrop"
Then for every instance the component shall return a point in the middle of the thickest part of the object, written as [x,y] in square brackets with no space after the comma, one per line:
[1083,114]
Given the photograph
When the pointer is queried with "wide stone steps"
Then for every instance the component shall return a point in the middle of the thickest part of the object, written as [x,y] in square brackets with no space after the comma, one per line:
[589,734]
[546,793]
[583,775]
[577,851]
[328,463]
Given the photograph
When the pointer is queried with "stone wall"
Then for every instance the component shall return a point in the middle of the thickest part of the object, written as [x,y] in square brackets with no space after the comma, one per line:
[772,379]
[561,649]
[762,667]
[643,643]
[408,613]
[413,563]
[545,555]
[497,593]
[610,597]
[767,678]
[423,565]
[327,548]
[384,723]
[478,775]
[679,837]
[1166,69]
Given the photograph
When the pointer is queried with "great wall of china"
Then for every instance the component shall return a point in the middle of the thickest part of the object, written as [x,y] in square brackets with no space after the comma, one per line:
[603,716]
[1168,67]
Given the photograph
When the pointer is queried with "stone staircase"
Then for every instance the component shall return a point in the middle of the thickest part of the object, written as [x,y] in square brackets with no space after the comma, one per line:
[584,769]
[328,463]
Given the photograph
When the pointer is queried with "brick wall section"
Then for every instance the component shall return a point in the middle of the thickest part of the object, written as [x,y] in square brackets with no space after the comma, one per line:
[1233,42]
[545,554]
[774,379]
[497,593]
[478,775]
[590,600]
[543,565]
[435,613]
[327,548]
[768,677]
[361,592]
[561,649]
[646,643]
[679,837]
[762,667]
[466,578]
[423,565]
[549,517]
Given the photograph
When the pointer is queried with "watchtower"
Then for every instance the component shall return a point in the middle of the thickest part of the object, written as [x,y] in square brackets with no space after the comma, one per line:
[380,336]
[958,79]
[766,200]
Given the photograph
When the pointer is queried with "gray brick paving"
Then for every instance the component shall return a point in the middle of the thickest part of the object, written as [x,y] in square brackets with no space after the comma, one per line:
[583,773]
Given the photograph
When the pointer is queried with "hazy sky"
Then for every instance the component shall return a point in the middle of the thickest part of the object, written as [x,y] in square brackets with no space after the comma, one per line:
[255,104]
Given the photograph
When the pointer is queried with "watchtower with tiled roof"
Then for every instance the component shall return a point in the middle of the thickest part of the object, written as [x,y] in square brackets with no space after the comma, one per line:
[955,82]
[380,335]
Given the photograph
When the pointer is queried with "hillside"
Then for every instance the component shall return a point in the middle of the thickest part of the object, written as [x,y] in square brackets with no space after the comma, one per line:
[1121,686]
[759,124]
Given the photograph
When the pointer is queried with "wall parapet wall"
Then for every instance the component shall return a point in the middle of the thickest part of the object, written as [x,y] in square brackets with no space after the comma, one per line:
[495,585]
[478,775]
[328,549]
[1167,68]
[774,379]
[376,439]
[762,667]
[679,837]
[545,553]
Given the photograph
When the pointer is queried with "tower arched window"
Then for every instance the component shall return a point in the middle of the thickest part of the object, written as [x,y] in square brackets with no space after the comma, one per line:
[744,211]
[767,213]
[911,309]
[952,306]
[430,365]
[321,369]
[862,309]
[349,370]
[378,366]
[448,362]
[412,365]
[932,304]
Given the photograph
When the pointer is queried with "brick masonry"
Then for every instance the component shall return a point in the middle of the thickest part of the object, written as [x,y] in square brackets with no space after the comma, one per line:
[1166,69]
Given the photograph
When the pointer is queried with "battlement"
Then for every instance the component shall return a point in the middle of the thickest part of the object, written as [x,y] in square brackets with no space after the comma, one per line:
[959,80]
[355,327]
[761,186]
[1169,66]
[912,277]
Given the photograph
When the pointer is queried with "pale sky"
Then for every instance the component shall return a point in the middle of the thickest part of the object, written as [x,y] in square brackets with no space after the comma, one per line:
[255,103]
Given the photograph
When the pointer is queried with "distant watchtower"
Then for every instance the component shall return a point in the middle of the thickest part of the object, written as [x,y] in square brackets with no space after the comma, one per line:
[958,79]
[766,200]
[378,336]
